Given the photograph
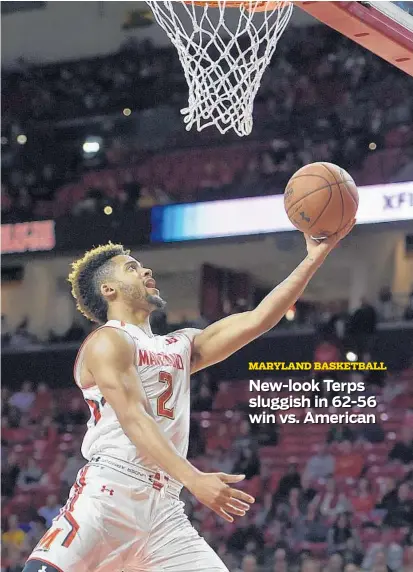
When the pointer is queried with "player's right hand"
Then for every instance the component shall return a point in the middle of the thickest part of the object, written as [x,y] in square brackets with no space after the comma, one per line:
[213,491]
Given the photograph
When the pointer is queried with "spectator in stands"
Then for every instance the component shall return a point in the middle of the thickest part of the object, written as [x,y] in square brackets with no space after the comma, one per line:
[310,565]
[74,463]
[243,439]
[196,439]
[311,527]
[223,460]
[54,473]
[362,328]
[220,438]
[340,533]
[408,559]
[42,401]
[14,417]
[327,352]
[24,398]
[265,435]
[246,537]
[89,204]
[50,510]
[351,567]
[76,414]
[147,198]
[381,558]
[400,513]
[202,401]
[14,537]
[247,464]
[335,563]
[291,480]
[45,434]
[280,563]
[387,494]
[249,563]
[332,502]
[21,338]
[37,529]
[353,552]
[363,500]
[5,396]
[339,433]
[308,493]
[293,507]
[266,510]
[403,449]
[349,462]
[372,433]
[278,535]
[320,465]
[393,389]
[9,475]
[15,561]
[30,475]
[224,395]
[386,306]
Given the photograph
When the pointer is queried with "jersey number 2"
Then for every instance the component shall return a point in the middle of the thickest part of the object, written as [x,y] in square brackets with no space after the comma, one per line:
[165,396]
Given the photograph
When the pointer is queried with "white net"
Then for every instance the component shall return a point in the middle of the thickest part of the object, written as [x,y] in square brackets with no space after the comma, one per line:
[224,52]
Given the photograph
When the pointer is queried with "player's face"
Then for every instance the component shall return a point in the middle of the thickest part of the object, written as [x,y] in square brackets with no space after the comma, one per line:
[136,284]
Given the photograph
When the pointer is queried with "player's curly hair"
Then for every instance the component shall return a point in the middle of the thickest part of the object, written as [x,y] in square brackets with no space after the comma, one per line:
[86,277]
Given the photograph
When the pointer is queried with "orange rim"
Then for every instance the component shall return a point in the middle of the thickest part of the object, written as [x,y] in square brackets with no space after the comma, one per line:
[258,7]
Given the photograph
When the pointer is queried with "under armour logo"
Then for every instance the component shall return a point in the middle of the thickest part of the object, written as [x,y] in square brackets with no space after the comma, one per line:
[104,489]
[158,481]
[170,341]
[42,569]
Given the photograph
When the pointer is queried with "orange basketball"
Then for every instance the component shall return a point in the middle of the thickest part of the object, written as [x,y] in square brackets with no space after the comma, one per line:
[320,199]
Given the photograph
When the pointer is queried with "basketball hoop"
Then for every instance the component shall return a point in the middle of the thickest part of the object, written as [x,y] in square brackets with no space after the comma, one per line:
[223,57]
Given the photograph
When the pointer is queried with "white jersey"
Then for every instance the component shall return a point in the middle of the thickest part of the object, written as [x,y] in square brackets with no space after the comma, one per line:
[163,365]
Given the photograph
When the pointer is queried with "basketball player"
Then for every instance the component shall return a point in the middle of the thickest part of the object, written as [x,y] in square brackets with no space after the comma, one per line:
[123,512]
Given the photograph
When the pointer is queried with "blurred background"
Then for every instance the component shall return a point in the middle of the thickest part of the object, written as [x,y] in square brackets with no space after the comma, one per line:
[94,149]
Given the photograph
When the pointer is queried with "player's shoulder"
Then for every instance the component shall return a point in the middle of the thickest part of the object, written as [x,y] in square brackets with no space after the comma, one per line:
[108,339]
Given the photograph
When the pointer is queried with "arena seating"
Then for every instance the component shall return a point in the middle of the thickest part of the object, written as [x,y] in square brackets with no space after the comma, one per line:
[56,439]
[366,130]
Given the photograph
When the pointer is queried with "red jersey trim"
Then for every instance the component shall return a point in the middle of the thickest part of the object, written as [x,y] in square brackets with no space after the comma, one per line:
[83,345]
[191,342]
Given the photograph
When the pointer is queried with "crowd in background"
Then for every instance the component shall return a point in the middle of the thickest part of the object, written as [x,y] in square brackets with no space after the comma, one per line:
[327,504]
[322,98]
[331,319]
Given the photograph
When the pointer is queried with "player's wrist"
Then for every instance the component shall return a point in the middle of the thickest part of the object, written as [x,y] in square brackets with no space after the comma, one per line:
[189,476]
[314,260]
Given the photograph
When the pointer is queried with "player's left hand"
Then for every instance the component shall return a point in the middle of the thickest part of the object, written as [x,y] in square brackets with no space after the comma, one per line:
[319,249]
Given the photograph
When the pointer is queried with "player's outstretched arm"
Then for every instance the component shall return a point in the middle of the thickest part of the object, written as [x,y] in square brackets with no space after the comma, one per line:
[110,359]
[225,337]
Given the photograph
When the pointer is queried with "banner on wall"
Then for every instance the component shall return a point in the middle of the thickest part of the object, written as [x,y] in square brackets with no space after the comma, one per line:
[75,234]
[194,221]
[28,237]
[251,216]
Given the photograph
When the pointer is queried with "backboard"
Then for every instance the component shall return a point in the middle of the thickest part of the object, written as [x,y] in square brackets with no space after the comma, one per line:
[385,28]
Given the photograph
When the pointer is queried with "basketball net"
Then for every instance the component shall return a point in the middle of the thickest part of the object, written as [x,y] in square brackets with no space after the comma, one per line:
[224,54]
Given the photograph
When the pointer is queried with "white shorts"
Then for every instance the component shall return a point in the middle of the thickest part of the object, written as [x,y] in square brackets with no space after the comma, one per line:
[120,517]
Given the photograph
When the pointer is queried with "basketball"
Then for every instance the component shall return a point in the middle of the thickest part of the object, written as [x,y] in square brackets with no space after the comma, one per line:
[320,199]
